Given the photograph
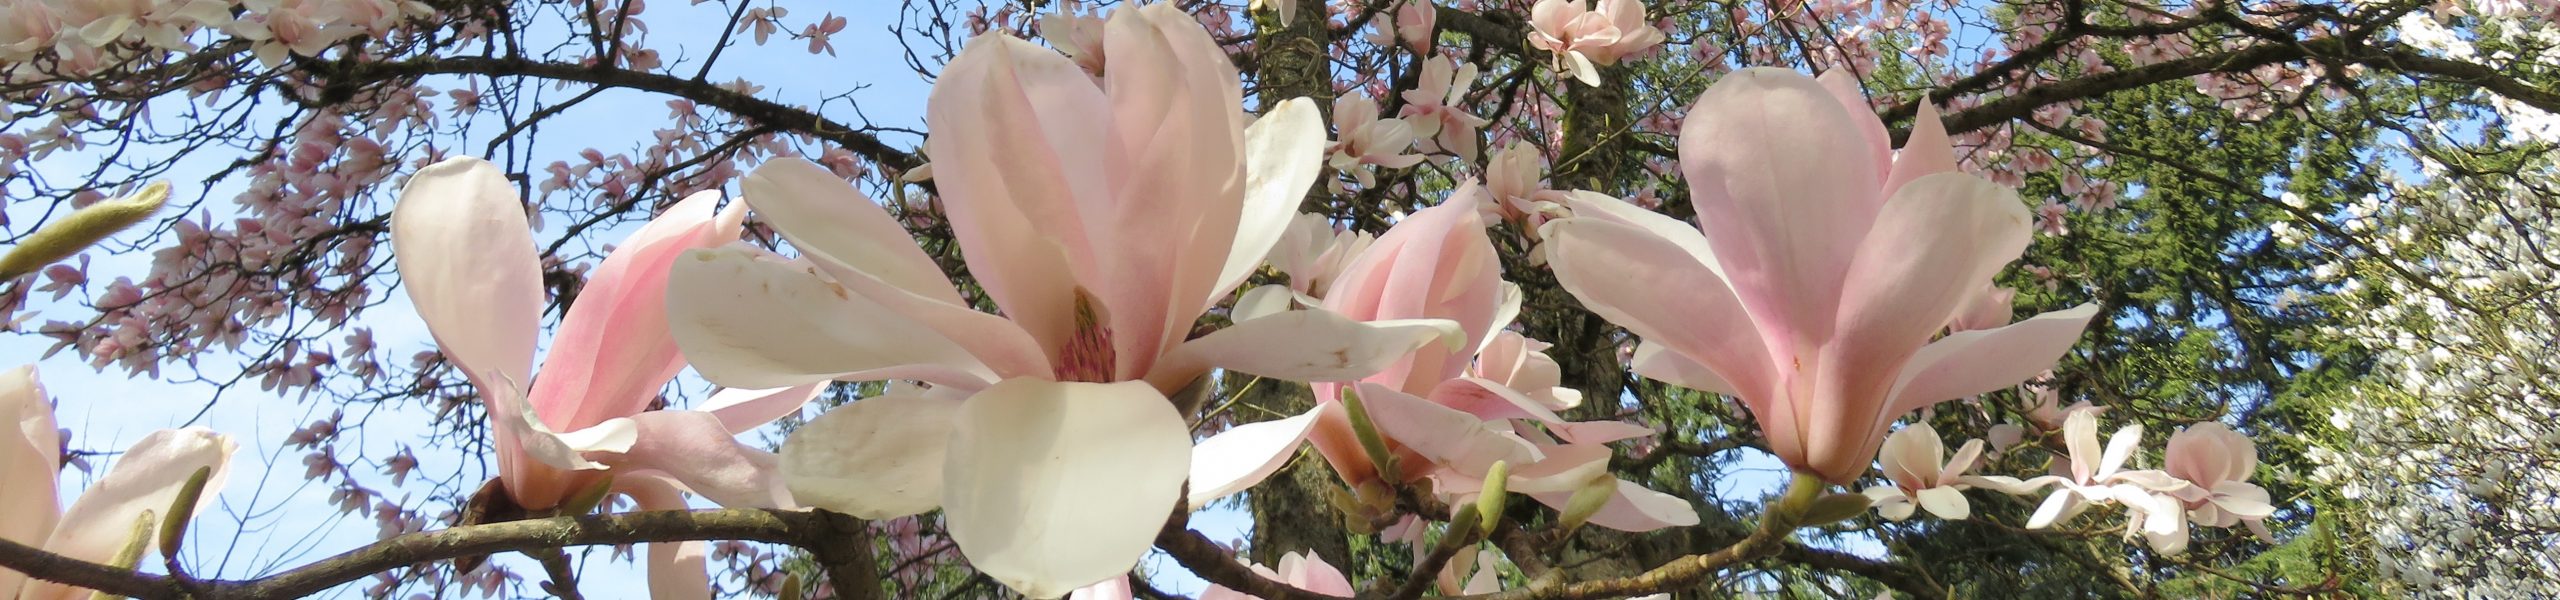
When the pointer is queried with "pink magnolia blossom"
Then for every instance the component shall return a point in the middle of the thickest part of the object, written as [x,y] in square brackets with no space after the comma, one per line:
[1516,187]
[2216,463]
[1313,254]
[2096,475]
[1435,108]
[1303,571]
[1102,217]
[1584,39]
[1825,265]
[146,479]
[1916,461]
[466,256]
[1367,140]
[1410,23]
[1446,411]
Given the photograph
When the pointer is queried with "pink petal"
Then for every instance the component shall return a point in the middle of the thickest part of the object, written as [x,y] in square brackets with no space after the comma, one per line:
[1301,345]
[676,569]
[1244,455]
[613,351]
[741,410]
[1680,233]
[746,318]
[146,478]
[835,226]
[1982,361]
[1910,456]
[1844,87]
[1564,469]
[1050,486]
[30,460]
[1598,432]
[1490,401]
[1651,362]
[1444,435]
[1655,289]
[1021,140]
[1436,264]
[1927,152]
[1309,572]
[697,450]
[876,458]
[1634,508]
[1773,165]
[1116,588]
[1942,238]
[460,242]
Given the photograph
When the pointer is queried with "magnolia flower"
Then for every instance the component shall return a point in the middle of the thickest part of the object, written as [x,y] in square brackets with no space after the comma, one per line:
[1102,217]
[1515,180]
[467,259]
[2216,463]
[1368,140]
[1911,458]
[1433,108]
[1825,264]
[1411,23]
[135,493]
[1440,414]
[1584,39]
[2095,476]
[1303,571]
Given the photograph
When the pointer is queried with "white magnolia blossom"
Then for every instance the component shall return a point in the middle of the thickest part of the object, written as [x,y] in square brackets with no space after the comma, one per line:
[2446,458]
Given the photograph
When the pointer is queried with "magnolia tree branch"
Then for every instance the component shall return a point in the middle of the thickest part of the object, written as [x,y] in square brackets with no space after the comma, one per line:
[766,112]
[840,543]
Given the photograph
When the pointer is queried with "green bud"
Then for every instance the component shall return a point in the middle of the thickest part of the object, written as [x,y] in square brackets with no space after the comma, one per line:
[1489,502]
[587,499]
[1370,441]
[1464,527]
[81,229]
[181,511]
[131,554]
[1587,501]
[791,588]
[1834,508]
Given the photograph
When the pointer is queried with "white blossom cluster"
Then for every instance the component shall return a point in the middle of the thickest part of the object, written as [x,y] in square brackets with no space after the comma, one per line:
[2451,453]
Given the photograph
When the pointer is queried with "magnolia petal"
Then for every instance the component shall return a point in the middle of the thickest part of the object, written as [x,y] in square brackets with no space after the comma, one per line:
[1785,187]
[742,409]
[677,570]
[1634,508]
[1022,141]
[1975,362]
[1910,456]
[1304,345]
[147,478]
[1489,400]
[1308,571]
[1244,455]
[1263,301]
[1585,203]
[1934,244]
[831,222]
[1284,152]
[2247,500]
[466,256]
[2119,448]
[696,449]
[1652,362]
[1844,87]
[1659,291]
[1052,486]
[876,458]
[1927,152]
[2056,507]
[30,457]
[746,318]
[1945,502]
[1116,588]
[1598,432]
[1447,436]
[613,350]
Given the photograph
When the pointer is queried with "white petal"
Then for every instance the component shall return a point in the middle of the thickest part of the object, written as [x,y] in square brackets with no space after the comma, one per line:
[1244,455]
[876,458]
[1304,345]
[1284,153]
[1054,486]
[1946,503]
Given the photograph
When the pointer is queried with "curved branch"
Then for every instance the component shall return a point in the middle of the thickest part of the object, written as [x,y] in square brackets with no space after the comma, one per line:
[827,534]
[767,112]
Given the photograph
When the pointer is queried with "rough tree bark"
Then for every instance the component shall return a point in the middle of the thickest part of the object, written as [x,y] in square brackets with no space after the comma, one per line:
[1290,513]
